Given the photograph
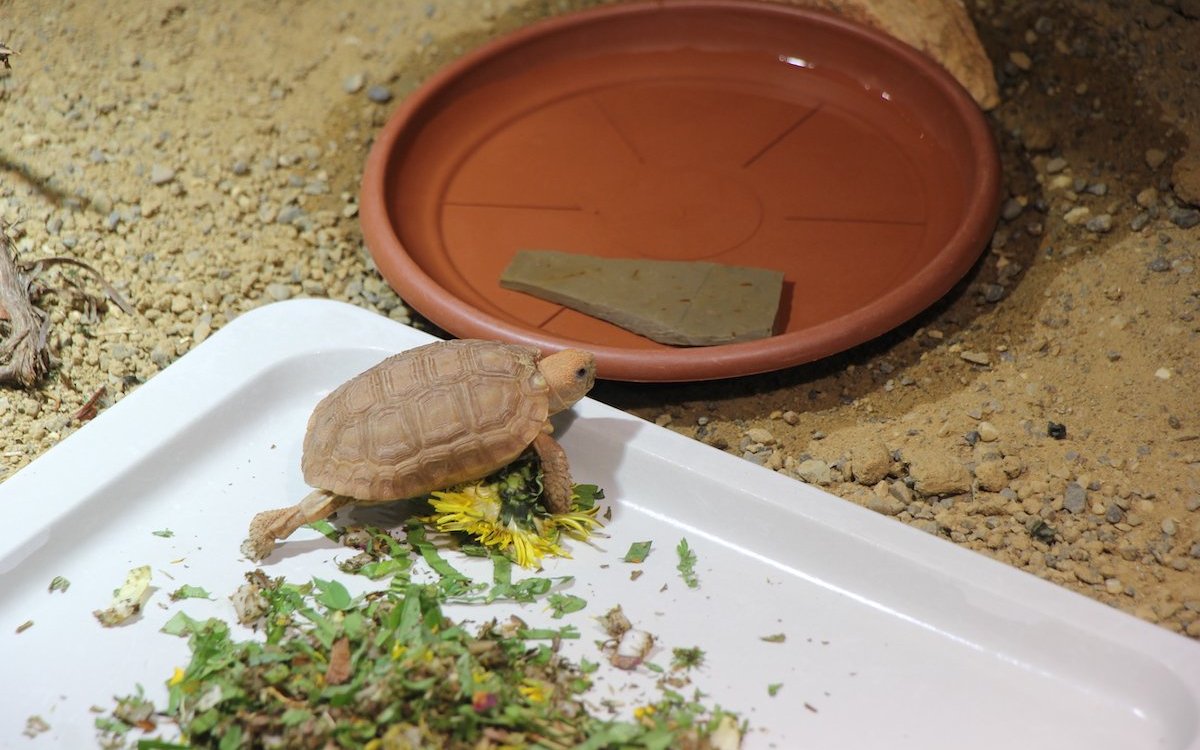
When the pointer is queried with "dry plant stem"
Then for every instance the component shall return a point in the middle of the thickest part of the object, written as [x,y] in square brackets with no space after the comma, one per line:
[24,358]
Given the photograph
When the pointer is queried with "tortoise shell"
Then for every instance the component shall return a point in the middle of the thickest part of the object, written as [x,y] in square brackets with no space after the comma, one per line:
[426,419]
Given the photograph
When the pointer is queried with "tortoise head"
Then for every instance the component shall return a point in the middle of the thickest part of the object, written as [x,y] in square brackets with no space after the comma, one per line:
[569,374]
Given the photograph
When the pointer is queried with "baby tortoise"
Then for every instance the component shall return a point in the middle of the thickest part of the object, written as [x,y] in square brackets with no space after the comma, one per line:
[428,419]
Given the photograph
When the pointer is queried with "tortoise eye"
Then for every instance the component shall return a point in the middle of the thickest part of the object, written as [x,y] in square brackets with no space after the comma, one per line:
[581,373]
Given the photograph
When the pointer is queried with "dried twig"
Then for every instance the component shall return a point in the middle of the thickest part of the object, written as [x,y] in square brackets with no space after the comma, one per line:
[24,358]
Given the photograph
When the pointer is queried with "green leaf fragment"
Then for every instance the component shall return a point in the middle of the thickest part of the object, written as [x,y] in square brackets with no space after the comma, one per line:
[332,594]
[58,583]
[164,533]
[565,604]
[638,552]
[775,638]
[773,688]
[189,592]
[687,564]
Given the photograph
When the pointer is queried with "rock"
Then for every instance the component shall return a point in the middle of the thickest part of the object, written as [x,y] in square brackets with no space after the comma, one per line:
[991,476]
[988,432]
[939,28]
[978,358]
[887,505]
[814,471]
[161,175]
[759,435]
[936,473]
[1184,218]
[1020,59]
[1155,157]
[1077,215]
[1037,137]
[1147,197]
[871,462]
[1056,165]
[672,302]
[1101,224]
[379,94]
[1074,498]
[353,83]
[278,292]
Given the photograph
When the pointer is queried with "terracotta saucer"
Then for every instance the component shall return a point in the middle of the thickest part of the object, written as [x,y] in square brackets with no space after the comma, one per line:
[745,133]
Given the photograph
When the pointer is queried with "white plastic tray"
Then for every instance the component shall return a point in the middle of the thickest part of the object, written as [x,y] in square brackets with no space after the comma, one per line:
[894,639]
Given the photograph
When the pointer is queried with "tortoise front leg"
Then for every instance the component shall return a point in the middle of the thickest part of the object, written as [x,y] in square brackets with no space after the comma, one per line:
[557,486]
[270,525]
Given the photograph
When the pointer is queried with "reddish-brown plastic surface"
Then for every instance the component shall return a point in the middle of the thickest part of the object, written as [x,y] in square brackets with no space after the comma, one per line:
[745,133]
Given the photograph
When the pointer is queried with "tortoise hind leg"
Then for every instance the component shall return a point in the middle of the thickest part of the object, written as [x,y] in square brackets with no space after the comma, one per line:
[270,525]
[557,486]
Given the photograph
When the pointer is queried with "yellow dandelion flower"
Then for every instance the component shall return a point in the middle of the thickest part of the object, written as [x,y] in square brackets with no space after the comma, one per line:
[176,678]
[534,691]
[644,713]
[503,512]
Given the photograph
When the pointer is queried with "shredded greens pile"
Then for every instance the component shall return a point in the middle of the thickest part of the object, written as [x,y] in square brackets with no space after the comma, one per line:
[388,670]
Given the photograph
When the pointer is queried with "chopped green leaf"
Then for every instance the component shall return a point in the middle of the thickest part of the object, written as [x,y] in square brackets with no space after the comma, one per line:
[773,688]
[687,564]
[164,533]
[332,594]
[325,529]
[565,604]
[58,583]
[638,552]
[189,592]
[775,638]
[687,658]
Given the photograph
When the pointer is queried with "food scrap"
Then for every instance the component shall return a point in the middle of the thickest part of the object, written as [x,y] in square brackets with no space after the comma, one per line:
[775,638]
[58,583]
[388,669]
[638,552]
[127,600]
[687,564]
[34,726]
[24,626]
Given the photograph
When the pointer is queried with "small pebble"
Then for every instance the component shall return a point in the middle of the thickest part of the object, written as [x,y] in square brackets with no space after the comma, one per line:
[1155,157]
[1184,218]
[161,175]
[1011,210]
[759,435]
[353,83]
[1159,264]
[1139,222]
[979,358]
[379,94]
[1056,430]
[279,292]
[1162,373]
[1099,224]
[988,432]
[1075,497]
[1056,165]
[1147,197]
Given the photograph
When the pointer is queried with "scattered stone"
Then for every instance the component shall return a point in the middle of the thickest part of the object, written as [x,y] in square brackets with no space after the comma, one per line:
[791,418]
[1100,224]
[1037,137]
[886,505]
[1077,215]
[1163,373]
[1056,165]
[1056,430]
[1011,210]
[991,476]
[988,432]
[1075,497]
[871,462]
[1155,157]
[759,435]
[937,474]
[353,83]
[978,358]
[1114,514]
[1147,197]
[379,94]
[1020,60]
[279,292]
[1184,218]
[161,175]
[1185,176]
[993,293]
[1139,222]
[814,471]
[1159,264]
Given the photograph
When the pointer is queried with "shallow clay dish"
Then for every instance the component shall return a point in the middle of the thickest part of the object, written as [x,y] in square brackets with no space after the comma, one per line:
[746,133]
